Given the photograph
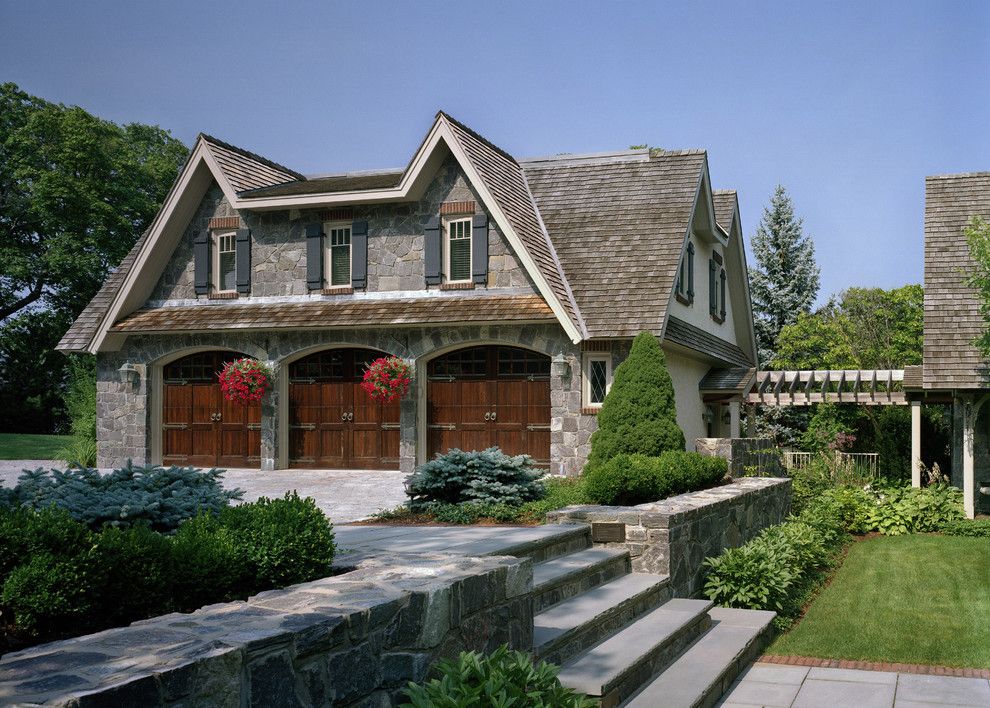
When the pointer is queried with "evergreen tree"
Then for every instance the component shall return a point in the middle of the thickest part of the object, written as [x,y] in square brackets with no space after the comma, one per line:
[785,281]
[638,415]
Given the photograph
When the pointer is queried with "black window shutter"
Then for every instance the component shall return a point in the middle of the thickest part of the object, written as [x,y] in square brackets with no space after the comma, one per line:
[243,260]
[314,256]
[359,254]
[431,248]
[712,286]
[479,249]
[690,277]
[201,262]
[722,285]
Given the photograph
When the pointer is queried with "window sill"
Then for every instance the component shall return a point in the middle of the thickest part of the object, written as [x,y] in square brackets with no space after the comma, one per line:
[338,290]
[224,295]
[684,299]
[717,319]
[590,410]
[457,286]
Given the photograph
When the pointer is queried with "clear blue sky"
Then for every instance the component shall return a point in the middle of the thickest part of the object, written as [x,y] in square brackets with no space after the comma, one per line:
[849,105]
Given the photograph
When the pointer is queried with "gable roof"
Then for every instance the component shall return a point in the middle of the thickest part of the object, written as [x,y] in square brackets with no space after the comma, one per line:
[952,317]
[725,201]
[637,211]
[244,170]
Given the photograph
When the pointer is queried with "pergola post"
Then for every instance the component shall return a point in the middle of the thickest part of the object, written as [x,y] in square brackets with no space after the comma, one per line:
[735,421]
[751,421]
[969,437]
[915,443]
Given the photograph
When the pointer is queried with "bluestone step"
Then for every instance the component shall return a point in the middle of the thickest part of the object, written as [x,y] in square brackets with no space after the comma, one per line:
[702,674]
[569,538]
[568,627]
[615,668]
[566,576]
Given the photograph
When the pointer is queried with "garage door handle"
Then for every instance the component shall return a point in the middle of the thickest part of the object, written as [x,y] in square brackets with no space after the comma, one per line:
[494,415]
[488,416]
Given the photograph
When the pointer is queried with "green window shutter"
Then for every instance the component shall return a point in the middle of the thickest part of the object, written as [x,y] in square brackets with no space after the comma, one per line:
[712,286]
[479,237]
[243,261]
[431,256]
[359,254]
[722,292]
[314,256]
[690,273]
[201,258]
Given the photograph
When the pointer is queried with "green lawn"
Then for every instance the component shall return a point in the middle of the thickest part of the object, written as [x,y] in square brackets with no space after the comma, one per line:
[918,599]
[16,446]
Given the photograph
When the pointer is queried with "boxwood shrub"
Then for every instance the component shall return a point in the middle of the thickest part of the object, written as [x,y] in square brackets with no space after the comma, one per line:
[636,479]
[486,477]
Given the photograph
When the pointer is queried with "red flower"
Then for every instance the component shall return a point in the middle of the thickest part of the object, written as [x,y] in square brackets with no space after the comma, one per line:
[387,379]
[244,381]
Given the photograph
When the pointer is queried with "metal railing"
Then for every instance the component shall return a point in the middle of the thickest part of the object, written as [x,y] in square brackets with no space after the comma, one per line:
[862,462]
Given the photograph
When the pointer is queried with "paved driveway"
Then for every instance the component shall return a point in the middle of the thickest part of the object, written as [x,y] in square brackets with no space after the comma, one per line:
[803,687]
[343,495]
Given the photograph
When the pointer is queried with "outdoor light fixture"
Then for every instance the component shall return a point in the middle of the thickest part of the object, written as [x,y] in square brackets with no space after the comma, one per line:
[130,373]
[560,367]
[708,416]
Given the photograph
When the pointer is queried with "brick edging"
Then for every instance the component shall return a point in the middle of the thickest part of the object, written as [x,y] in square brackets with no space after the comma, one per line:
[875,666]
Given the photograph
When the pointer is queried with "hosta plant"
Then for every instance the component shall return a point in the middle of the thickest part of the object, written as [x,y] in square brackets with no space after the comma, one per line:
[245,381]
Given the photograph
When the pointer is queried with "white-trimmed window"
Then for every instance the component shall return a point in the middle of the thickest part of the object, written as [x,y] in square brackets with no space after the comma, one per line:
[225,261]
[597,377]
[338,268]
[457,250]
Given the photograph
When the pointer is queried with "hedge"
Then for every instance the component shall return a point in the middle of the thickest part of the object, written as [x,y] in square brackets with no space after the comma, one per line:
[627,480]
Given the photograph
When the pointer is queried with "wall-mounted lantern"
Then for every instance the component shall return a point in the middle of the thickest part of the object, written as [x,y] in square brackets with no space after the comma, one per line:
[131,373]
[560,367]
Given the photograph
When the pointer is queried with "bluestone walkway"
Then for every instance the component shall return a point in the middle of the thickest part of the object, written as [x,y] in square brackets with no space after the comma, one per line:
[778,686]
[459,540]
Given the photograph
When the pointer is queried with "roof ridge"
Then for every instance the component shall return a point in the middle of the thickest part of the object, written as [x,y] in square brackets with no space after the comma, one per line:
[252,156]
[725,191]
[958,175]
[477,136]
[682,151]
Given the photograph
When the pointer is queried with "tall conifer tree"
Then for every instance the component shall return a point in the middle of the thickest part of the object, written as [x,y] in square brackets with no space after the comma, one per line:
[785,281]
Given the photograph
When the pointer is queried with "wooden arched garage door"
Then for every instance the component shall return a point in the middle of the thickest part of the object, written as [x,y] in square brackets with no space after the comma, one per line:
[333,422]
[490,396]
[199,426]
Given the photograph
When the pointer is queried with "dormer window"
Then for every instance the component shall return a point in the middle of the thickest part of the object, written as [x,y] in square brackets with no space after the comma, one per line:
[338,268]
[457,250]
[225,269]
[685,276]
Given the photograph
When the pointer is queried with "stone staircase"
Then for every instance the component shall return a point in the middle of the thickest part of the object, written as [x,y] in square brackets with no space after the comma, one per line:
[622,638]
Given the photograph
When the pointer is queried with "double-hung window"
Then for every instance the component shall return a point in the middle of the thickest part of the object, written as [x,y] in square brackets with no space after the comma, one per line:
[225,262]
[338,254]
[457,250]
[597,376]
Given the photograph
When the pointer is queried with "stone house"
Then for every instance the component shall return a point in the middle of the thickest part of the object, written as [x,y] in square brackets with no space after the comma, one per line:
[514,287]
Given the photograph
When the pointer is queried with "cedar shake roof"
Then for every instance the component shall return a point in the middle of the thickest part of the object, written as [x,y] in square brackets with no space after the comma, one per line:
[687,335]
[636,212]
[245,170]
[333,313]
[952,317]
[79,335]
[328,184]
[725,205]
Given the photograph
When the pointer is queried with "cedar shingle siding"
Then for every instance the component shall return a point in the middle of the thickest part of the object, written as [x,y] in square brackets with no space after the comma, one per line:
[952,318]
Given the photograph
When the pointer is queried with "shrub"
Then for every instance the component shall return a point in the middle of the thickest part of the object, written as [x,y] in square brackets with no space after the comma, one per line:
[130,575]
[159,497]
[638,415]
[25,533]
[213,566]
[80,404]
[283,541]
[49,596]
[486,477]
[503,678]
[636,479]
[901,510]
[977,528]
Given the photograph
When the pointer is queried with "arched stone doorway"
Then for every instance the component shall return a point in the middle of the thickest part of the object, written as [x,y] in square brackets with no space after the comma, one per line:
[333,423]
[199,426]
[485,396]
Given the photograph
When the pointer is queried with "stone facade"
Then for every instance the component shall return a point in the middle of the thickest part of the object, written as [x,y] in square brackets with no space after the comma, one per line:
[126,405]
[395,244]
[742,453]
[672,537]
[352,640]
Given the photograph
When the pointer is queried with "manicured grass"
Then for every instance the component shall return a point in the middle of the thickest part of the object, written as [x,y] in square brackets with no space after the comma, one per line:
[18,446]
[917,599]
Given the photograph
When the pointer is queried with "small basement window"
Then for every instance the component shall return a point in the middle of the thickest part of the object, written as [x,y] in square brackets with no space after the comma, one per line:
[338,254]
[597,377]
[225,270]
[457,256]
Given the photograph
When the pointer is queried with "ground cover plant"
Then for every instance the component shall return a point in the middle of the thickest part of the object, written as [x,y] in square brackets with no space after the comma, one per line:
[160,497]
[917,599]
[22,446]
[501,679]
[60,578]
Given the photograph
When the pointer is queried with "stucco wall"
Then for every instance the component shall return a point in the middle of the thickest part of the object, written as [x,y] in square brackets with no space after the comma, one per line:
[395,244]
[686,373]
[698,313]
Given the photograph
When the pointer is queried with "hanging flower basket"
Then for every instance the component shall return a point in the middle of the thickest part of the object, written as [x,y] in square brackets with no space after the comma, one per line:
[387,379]
[245,381]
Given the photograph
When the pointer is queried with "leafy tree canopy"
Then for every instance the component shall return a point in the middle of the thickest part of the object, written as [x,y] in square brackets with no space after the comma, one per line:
[864,328]
[978,238]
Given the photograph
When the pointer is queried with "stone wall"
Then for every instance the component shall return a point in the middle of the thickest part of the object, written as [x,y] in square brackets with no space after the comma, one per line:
[742,453]
[351,640]
[395,244]
[672,537]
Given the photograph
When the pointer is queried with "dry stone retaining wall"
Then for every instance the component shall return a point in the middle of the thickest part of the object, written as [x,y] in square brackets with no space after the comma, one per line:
[672,537]
[352,640]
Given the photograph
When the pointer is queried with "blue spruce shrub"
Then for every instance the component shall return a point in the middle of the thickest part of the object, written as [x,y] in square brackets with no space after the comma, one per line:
[486,477]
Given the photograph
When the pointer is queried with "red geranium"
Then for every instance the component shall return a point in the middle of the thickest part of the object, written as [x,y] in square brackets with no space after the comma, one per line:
[245,381]
[387,379]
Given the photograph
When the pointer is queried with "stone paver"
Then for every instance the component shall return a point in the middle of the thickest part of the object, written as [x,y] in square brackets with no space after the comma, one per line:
[343,495]
[801,687]
[461,540]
